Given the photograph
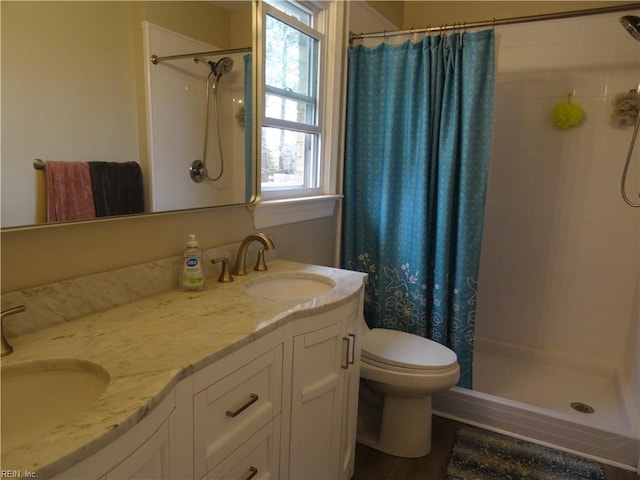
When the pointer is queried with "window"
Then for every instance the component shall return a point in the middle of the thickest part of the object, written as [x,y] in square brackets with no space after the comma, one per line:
[292,127]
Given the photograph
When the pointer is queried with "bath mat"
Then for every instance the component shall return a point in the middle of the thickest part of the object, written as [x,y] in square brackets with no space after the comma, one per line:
[480,454]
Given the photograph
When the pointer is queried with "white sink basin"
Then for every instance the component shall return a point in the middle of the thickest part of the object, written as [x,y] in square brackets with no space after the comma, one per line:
[39,395]
[289,285]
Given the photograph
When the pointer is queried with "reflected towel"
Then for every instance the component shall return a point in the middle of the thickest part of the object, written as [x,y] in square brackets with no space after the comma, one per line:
[69,192]
[117,188]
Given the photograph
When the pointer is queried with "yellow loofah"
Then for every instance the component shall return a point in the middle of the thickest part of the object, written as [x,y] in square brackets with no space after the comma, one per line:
[567,115]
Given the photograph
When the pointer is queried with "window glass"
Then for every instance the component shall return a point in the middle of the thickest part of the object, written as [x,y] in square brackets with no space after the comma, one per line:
[289,109]
[291,59]
[287,158]
[291,132]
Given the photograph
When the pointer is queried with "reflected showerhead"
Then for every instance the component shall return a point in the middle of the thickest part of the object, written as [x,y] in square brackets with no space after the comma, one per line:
[205,61]
[219,68]
[222,67]
[632,24]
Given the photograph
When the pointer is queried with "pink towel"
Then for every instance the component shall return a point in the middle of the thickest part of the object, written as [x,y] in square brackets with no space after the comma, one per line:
[69,192]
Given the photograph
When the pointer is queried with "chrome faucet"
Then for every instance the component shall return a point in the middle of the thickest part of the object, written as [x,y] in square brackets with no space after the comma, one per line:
[240,267]
[6,348]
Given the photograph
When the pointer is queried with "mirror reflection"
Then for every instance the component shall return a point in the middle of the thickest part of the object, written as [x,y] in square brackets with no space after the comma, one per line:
[81,94]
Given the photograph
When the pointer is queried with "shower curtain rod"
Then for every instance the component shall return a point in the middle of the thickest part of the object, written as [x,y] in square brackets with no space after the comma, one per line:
[493,22]
[156,59]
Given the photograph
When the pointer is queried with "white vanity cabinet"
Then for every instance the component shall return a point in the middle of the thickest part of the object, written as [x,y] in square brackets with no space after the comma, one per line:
[150,460]
[236,413]
[351,388]
[326,363]
[282,406]
[145,451]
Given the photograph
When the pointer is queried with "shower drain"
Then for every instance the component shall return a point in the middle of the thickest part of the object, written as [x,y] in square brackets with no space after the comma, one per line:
[582,407]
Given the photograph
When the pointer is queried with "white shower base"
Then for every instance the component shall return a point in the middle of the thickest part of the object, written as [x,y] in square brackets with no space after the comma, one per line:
[529,394]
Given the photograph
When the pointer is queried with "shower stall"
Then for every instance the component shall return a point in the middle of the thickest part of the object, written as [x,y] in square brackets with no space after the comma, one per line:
[196,121]
[557,346]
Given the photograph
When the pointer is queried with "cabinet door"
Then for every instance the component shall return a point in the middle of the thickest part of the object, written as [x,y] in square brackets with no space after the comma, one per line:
[350,399]
[316,403]
[150,461]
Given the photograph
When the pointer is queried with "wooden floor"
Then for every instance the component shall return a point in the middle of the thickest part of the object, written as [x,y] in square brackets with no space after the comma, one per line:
[374,465]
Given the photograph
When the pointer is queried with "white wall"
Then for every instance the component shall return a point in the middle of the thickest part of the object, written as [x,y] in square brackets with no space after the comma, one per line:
[364,18]
[68,93]
[559,267]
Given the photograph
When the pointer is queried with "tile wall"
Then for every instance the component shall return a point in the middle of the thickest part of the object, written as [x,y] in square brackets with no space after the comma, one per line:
[177,106]
[560,259]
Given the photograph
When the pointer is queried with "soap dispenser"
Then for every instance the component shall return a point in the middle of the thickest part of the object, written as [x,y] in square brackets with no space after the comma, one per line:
[192,271]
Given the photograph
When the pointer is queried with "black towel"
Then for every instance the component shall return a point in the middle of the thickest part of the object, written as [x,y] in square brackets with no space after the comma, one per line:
[117,188]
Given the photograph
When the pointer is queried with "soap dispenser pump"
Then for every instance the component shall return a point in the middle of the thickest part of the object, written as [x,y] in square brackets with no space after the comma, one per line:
[192,271]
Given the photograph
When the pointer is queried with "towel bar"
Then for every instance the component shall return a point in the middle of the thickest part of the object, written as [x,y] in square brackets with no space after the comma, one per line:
[38,164]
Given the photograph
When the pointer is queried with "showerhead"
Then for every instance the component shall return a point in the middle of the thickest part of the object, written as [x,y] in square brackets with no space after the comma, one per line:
[632,24]
[219,68]
[201,60]
[222,67]
[205,61]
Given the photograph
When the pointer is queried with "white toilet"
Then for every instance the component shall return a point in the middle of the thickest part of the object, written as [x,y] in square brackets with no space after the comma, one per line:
[398,374]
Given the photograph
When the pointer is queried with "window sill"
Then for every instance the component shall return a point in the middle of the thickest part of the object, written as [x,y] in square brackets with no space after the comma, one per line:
[271,213]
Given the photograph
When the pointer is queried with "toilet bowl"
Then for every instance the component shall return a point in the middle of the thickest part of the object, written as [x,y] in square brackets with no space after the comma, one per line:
[398,374]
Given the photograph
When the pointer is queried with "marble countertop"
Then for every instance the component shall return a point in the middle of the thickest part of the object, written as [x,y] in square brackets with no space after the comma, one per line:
[147,346]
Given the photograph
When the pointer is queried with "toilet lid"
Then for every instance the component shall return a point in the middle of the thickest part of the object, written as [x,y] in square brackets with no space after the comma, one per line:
[402,349]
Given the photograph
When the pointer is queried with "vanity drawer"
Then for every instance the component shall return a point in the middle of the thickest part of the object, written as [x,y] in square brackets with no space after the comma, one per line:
[236,407]
[257,458]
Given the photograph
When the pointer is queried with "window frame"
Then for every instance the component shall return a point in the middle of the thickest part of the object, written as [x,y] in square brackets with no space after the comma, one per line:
[315,171]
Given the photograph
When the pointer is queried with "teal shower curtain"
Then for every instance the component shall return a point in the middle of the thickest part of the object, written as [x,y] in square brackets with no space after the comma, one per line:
[418,141]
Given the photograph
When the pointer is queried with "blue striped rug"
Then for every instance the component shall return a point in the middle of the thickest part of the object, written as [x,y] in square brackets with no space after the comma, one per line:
[482,455]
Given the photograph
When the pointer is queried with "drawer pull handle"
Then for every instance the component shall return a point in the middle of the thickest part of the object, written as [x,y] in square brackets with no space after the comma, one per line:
[253,471]
[345,365]
[352,357]
[252,399]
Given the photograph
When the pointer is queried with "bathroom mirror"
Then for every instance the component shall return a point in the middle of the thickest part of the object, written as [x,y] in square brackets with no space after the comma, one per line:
[78,85]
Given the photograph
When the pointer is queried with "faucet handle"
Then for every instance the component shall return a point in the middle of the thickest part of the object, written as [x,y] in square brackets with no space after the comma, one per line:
[261,264]
[225,275]
[6,347]
[13,311]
